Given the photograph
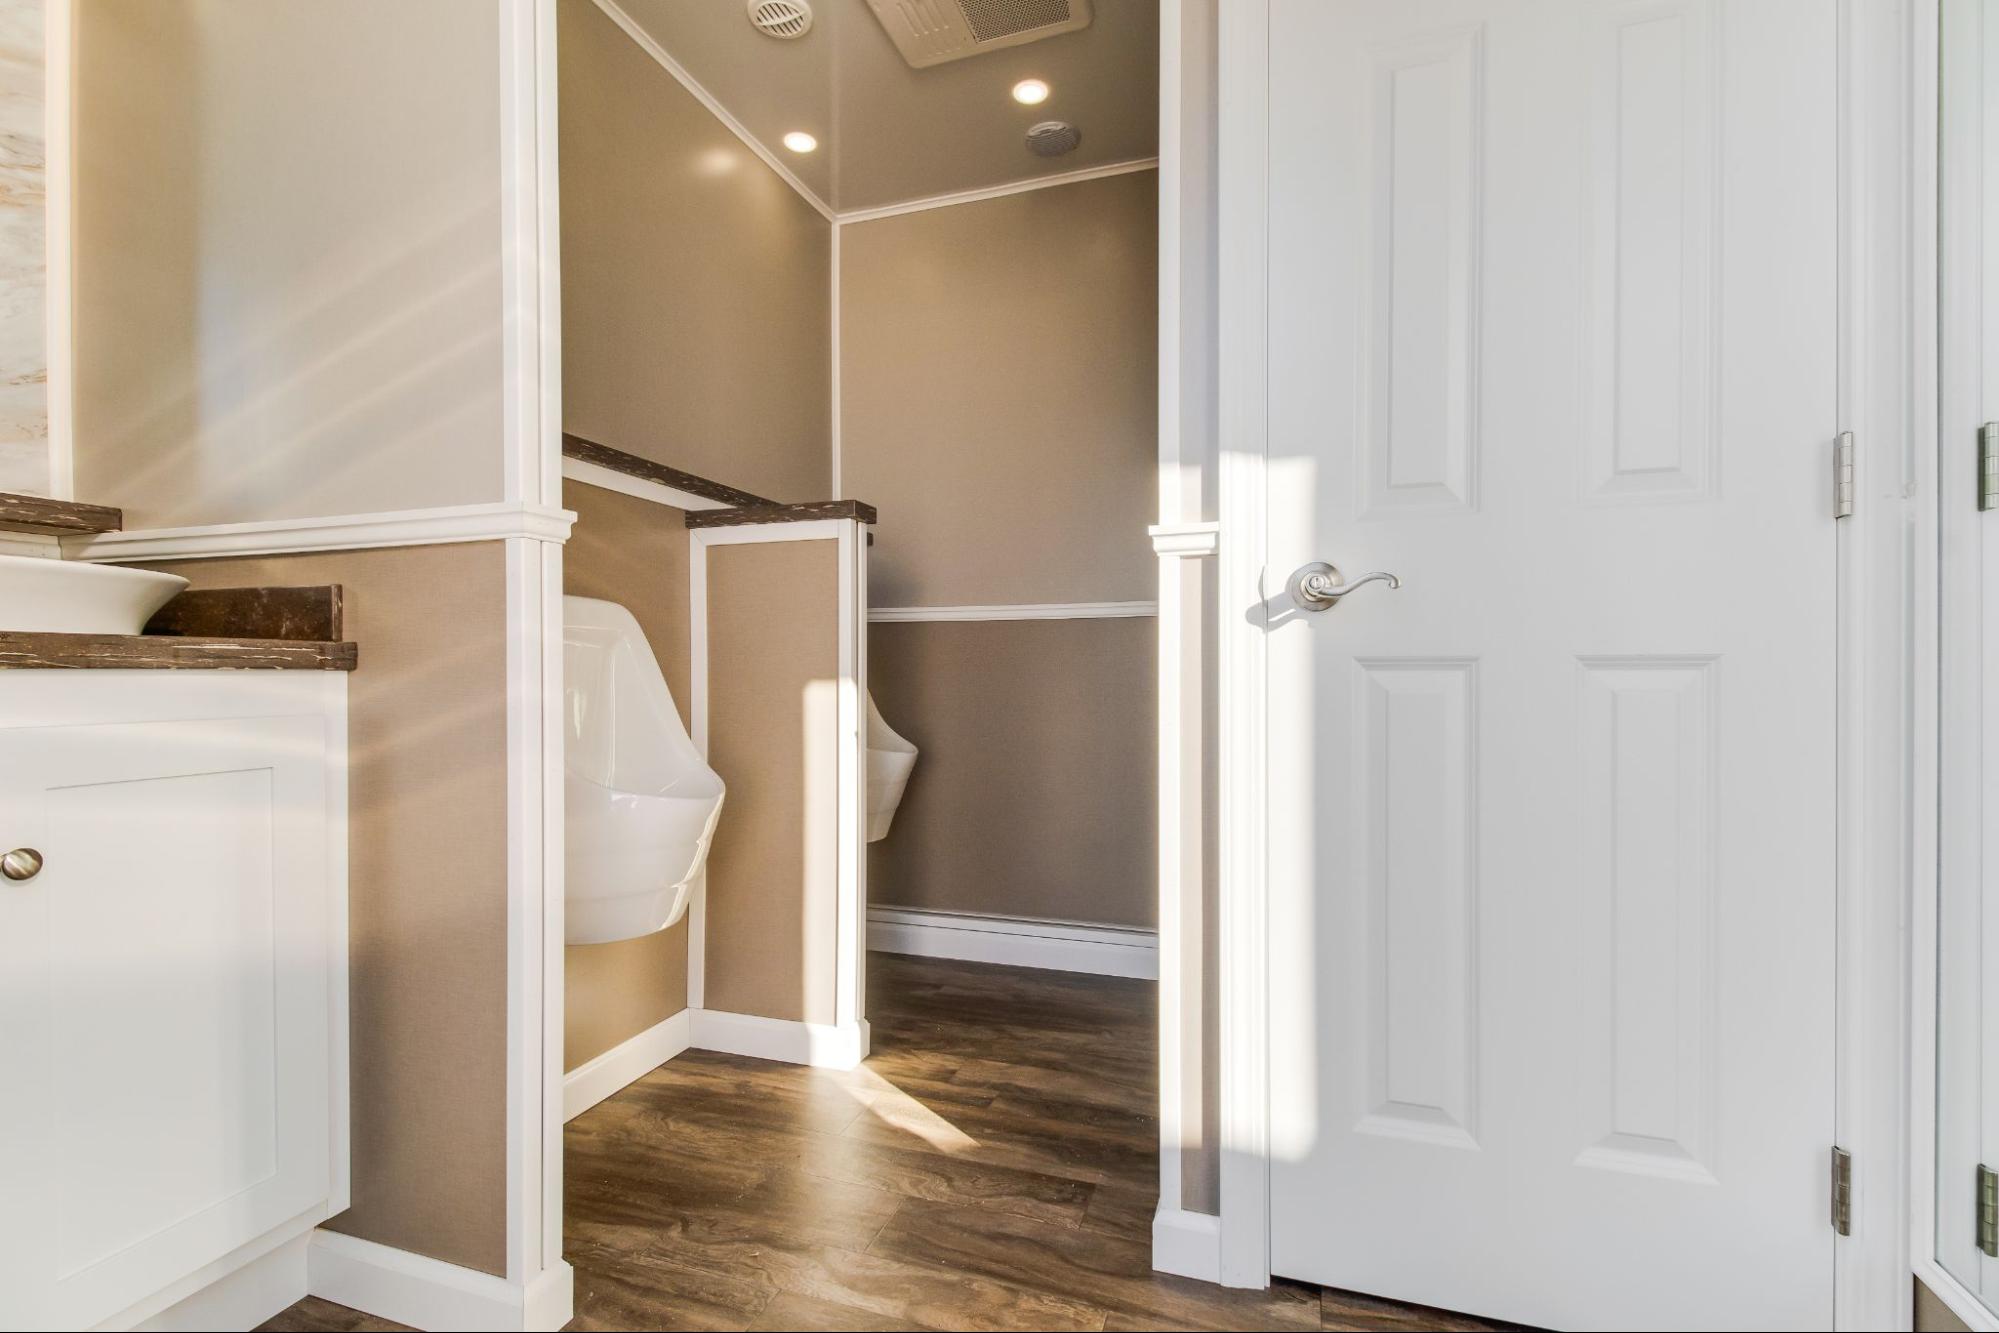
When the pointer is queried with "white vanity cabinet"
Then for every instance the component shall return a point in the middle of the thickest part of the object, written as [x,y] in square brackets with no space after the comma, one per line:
[173,1012]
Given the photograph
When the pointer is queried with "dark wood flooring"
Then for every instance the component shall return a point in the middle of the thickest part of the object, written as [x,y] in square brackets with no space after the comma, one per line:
[992,1166]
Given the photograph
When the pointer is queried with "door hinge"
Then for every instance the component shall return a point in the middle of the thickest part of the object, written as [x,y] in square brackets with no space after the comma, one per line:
[1988,465]
[1842,1191]
[1842,475]
[1988,1211]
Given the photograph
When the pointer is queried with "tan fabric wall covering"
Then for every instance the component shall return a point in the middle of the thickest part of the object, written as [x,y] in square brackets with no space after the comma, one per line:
[427,848]
[696,284]
[287,233]
[772,734]
[633,552]
[998,380]
[1034,795]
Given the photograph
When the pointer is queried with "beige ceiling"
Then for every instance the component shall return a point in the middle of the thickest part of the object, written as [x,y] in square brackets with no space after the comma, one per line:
[888,133]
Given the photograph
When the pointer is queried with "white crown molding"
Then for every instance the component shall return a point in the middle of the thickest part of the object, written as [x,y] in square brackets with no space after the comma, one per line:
[610,479]
[1058,946]
[1075,177]
[429,1293]
[893,615]
[715,107]
[624,1064]
[1185,539]
[341,532]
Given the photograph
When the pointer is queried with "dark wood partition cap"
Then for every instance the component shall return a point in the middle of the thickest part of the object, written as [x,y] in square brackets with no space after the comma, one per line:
[617,460]
[858,510]
[34,513]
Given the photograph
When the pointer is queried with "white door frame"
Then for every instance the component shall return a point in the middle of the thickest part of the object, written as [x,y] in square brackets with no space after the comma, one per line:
[1961,236]
[1887,631]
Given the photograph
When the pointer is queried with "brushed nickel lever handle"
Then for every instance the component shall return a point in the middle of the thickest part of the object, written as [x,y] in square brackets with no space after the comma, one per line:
[1317,586]
[23,863]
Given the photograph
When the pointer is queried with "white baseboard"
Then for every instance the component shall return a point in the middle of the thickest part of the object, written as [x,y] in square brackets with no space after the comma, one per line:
[1187,1244]
[1061,946]
[630,1060]
[429,1293]
[821,1045]
[243,1298]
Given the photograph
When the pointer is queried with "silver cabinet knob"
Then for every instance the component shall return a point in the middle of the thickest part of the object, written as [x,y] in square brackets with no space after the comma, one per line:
[1316,586]
[20,864]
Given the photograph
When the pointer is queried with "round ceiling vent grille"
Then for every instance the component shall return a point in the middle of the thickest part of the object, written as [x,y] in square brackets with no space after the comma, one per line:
[781,18]
[1052,138]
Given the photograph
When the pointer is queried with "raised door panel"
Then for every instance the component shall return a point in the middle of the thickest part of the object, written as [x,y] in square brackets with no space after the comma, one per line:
[166,1006]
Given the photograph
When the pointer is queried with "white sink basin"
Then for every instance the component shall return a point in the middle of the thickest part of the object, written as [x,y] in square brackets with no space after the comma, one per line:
[72,597]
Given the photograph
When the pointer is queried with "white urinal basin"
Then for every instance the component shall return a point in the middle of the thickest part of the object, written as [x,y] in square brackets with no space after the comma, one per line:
[891,759]
[46,596]
[642,804]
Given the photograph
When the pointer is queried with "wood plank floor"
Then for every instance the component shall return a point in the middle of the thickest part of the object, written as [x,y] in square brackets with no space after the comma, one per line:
[992,1166]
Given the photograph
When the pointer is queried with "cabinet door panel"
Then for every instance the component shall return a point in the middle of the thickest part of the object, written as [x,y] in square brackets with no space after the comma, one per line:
[166,1000]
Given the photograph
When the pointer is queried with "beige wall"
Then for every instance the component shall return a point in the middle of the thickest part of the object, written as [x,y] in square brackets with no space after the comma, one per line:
[696,284]
[24,362]
[427,850]
[287,257]
[998,395]
[773,726]
[1933,1316]
[1034,794]
[633,552]
[998,390]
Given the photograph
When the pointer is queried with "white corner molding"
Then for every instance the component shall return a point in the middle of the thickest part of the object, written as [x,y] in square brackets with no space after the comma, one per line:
[707,99]
[624,1064]
[1058,946]
[429,1293]
[893,615]
[821,1045]
[610,479]
[1185,539]
[341,532]
[1187,1244]
[1075,177]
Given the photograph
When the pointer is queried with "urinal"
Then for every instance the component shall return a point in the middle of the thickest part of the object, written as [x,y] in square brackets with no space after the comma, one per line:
[642,804]
[890,761]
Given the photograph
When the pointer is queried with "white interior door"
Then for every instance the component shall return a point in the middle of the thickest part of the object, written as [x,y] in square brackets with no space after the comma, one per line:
[1552,317]
[1967,1085]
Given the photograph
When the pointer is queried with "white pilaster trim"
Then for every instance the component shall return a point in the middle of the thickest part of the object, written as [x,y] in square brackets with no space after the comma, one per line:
[430,1293]
[1243,1022]
[59,275]
[1058,946]
[624,1064]
[951,200]
[1187,1244]
[820,1045]
[665,60]
[530,256]
[535,903]
[891,615]
[340,532]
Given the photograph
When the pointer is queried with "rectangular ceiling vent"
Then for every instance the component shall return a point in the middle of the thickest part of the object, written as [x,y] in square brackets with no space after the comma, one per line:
[930,32]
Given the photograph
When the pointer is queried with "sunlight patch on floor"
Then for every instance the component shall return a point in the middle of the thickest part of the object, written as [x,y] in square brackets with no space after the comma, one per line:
[896,1108]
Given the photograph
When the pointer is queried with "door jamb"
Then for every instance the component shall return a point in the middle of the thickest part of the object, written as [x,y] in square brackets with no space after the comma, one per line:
[1887,631]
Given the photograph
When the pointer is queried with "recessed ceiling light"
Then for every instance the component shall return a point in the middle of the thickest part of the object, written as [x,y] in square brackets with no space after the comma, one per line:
[798,141]
[1030,92]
